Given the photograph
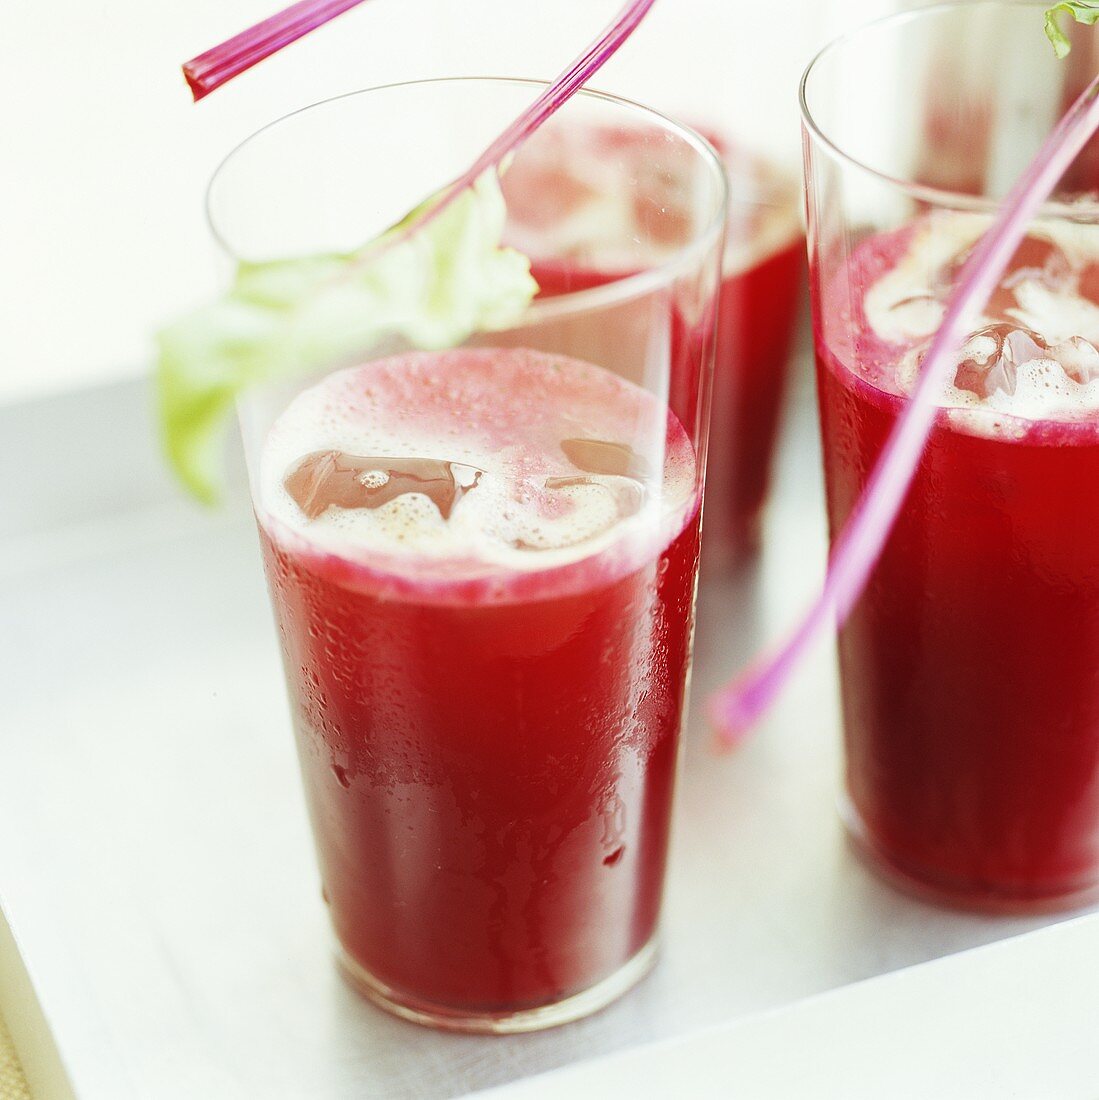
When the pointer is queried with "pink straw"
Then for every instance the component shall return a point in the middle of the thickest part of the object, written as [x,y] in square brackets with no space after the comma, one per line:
[737,707]
[207,72]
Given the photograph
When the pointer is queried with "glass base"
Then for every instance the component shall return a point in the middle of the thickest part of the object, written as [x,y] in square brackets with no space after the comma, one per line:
[928,886]
[507,1022]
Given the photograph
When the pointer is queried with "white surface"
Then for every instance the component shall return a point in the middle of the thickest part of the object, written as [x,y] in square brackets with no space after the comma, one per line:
[38,1055]
[107,161]
[155,862]
[1015,1019]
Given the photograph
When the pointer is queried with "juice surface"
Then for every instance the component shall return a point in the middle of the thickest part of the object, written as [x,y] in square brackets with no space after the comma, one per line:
[486,643]
[970,666]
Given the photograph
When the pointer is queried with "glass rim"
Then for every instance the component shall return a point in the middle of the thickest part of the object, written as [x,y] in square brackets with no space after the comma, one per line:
[921,192]
[619,289]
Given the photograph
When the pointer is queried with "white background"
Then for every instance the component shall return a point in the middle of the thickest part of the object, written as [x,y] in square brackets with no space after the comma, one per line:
[105,159]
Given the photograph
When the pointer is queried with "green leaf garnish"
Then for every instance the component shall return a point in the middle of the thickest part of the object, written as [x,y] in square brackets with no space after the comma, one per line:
[1087,14]
[431,288]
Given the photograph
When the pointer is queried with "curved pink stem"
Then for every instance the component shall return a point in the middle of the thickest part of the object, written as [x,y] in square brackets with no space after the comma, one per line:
[735,708]
[218,65]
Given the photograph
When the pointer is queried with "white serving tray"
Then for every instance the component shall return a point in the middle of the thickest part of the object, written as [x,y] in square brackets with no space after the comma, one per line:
[156,872]
[1018,1018]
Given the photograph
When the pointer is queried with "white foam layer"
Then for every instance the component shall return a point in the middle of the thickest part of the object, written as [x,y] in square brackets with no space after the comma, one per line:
[591,182]
[505,413]
[1053,315]
[1041,388]
[898,306]
[906,305]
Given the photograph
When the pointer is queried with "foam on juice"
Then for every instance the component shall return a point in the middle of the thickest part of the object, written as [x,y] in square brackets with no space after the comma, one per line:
[579,194]
[1033,355]
[477,460]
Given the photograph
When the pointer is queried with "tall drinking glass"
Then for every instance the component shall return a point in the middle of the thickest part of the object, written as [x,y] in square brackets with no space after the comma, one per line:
[482,563]
[970,666]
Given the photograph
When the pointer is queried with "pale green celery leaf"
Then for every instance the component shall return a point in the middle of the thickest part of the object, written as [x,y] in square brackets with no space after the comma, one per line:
[432,289]
[282,283]
[1086,13]
[205,360]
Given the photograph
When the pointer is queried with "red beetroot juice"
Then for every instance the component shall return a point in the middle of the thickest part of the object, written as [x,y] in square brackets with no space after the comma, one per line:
[487,685]
[969,666]
[756,324]
[558,216]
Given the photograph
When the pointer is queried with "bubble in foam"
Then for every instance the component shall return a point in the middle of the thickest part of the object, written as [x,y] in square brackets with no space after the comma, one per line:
[503,456]
[374,479]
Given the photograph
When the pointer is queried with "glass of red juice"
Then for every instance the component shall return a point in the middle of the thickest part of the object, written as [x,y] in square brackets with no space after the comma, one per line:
[968,667]
[482,563]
